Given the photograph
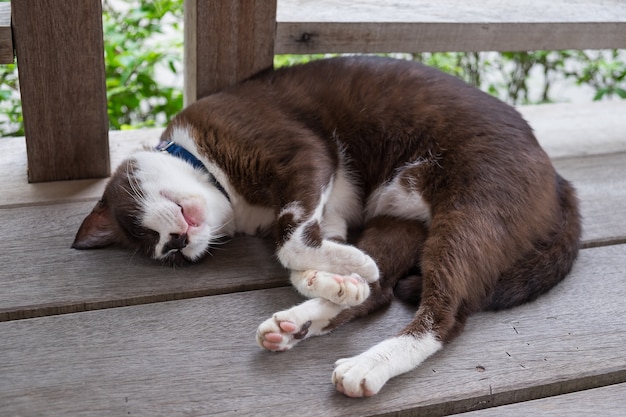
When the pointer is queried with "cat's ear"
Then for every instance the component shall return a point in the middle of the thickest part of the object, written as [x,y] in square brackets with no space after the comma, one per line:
[97,230]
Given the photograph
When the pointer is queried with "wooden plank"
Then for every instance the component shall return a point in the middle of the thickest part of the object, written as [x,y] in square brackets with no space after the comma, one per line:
[328,26]
[6,36]
[322,37]
[600,181]
[606,401]
[198,357]
[42,275]
[226,41]
[59,48]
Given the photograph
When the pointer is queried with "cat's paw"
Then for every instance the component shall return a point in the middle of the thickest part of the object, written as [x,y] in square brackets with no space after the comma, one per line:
[359,376]
[345,290]
[368,269]
[280,333]
[286,328]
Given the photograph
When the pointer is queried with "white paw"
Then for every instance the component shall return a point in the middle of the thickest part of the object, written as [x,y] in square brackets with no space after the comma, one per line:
[286,328]
[281,332]
[331,256]
[365,374]
[345,290]
[368,269]
[360,376]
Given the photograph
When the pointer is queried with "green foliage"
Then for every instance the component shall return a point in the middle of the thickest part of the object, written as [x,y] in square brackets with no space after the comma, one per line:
[11,121]
[136,47]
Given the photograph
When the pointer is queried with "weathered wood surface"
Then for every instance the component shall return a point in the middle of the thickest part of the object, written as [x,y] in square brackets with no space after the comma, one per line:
[226,41]
[326,26]
[59,48]
[600,181]
[198,357]
[6,38]
[605,402]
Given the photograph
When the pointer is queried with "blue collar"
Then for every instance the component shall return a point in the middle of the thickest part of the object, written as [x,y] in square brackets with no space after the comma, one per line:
[178,151]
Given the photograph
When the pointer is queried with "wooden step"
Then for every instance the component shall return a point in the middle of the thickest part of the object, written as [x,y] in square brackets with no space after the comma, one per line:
[607,401]
[329,26]
[198,356]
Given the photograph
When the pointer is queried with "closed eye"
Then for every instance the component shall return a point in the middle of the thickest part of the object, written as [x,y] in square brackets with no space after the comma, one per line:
[143,233]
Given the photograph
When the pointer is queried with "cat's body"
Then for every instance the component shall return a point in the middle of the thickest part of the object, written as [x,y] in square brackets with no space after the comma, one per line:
[439,182]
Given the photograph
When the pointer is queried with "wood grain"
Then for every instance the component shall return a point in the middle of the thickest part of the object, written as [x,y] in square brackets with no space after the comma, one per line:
[328,26]
[6,36]
[226,41]
[607,401]
[59,47]
[198,357]
[323,37]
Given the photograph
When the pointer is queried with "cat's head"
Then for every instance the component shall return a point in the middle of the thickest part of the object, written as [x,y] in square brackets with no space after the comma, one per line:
[159,205]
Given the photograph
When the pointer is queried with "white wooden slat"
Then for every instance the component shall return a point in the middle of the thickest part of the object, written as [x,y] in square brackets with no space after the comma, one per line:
[198,357]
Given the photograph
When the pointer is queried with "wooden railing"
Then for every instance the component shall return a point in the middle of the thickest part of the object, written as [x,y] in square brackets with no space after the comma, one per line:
[59,50]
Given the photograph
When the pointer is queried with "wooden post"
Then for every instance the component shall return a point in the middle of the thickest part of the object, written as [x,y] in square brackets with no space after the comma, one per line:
[60,58]
[226,41]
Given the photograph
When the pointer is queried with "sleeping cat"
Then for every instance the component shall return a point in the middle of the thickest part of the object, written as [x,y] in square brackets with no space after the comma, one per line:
[447,195]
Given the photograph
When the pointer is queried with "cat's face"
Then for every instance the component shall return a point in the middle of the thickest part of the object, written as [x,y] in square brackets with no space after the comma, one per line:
[161,206]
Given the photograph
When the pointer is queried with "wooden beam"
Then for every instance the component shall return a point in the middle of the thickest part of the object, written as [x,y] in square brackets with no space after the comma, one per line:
[6,37]
[387,37]
[226,41]
[59,49]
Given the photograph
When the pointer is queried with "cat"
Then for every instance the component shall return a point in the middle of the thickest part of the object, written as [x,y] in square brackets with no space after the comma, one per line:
[374,176]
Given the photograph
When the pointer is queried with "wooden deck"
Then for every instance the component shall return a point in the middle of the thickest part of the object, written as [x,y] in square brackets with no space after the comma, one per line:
[109,333]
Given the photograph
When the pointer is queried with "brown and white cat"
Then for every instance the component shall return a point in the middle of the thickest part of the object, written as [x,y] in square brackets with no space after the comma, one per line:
[451,200]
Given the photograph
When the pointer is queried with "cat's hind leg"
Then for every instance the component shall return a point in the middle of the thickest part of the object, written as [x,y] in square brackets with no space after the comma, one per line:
[452,269]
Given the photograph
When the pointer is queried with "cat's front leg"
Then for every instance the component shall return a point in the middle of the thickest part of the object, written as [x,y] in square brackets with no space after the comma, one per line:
[286,328]
[305,250]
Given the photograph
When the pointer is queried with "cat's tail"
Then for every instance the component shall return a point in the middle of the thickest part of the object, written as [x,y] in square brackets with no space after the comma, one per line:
[548,262]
